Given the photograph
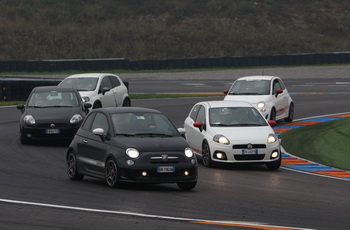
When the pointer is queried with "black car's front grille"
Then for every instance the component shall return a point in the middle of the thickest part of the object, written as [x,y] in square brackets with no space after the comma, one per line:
[56,125]
[164,159]
[249,157]
[253,146]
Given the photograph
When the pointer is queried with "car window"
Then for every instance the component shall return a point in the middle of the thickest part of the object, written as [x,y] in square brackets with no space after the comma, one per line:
[143,123]
[194,112]
[100,121]
[53,98]
[105,83]
[235,116]
[276,85]
[81,84]
[88,121]
[115,81]
[201,115]
[250,87]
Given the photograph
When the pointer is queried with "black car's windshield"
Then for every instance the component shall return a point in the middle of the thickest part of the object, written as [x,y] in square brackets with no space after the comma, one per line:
[143,124]
[53,99]
[235,116]
[250,87]
[81,84]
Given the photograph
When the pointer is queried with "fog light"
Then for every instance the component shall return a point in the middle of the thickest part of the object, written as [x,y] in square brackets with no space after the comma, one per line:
[144,173]
[274,154]
[29,135]
[220,156]
[130,162]
[187,173]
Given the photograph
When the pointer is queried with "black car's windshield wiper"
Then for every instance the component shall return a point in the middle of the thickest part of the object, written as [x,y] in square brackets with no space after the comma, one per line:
[153,134]
[125,134]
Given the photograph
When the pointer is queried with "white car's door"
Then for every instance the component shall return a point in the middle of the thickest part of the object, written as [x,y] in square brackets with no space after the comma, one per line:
[106,93]
[194,135]
[119,90]
[281,101]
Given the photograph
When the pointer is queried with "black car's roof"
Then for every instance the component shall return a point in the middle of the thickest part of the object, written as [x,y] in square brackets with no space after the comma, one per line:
[127,110]
[54,88]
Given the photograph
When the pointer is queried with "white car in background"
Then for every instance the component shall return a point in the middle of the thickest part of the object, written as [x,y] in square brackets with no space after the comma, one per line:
[232,132]
[99,89]
[266,93]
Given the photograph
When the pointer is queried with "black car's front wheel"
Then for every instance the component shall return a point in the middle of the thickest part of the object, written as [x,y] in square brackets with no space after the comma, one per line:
[72,168]
[187,185]
[111,173]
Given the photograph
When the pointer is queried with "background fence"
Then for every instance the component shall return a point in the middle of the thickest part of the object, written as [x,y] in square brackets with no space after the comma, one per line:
[19,89]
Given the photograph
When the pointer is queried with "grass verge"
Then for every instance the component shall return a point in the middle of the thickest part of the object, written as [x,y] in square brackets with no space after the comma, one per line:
[326,143]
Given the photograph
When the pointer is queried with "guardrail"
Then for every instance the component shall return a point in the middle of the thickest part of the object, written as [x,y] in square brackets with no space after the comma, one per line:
[19,89]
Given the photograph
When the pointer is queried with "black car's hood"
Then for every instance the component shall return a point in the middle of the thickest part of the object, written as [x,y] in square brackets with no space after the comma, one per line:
[53,113]
[152,144]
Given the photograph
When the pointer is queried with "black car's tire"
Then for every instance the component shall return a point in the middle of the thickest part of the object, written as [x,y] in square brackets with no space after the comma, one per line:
[187,185]
[291,113]
[206,156]
[126,102]
[111,173]
[273,115]
[72,168]
[274,165]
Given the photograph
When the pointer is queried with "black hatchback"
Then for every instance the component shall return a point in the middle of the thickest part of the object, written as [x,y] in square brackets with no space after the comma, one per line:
[129,144]
[51,113]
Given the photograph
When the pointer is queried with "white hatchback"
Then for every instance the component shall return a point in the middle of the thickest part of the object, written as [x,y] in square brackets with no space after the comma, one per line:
[99,89]
[232,132]
[266,93]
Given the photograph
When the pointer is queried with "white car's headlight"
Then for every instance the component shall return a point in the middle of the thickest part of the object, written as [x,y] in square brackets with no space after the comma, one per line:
[188,152]
[76,119]
[29,119]
[133,153]
[221,139]
[272,138]
[261,104]
[85,99]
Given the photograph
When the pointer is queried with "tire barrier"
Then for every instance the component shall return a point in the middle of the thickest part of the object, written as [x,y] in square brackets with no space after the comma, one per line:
[189,63]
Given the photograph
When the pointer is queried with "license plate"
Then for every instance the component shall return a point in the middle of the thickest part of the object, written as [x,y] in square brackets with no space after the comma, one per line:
[250,151]
[52,131]
[165,169]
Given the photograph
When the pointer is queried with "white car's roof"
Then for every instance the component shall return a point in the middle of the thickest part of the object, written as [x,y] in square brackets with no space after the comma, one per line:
[218,104]
[257,78]
[89,75]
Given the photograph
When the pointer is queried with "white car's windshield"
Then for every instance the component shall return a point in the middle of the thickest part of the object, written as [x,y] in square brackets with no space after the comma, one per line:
[81,84]
[53,99]
[235,116]
[149,124]
[250,87]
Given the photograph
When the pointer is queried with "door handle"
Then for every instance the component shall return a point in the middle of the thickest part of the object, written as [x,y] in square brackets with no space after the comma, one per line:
[85,141]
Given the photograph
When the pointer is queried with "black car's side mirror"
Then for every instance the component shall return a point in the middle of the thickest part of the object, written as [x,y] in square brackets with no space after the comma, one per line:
[100,132]
[21,107]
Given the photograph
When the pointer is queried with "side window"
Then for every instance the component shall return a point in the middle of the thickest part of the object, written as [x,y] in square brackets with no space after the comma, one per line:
[88,121]
[201,115]
[115,81]
[281,84]
[106,83]
[194,112]
[276,85]
[100,122]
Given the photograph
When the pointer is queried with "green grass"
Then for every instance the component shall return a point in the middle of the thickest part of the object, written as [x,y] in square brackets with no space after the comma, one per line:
[326,143]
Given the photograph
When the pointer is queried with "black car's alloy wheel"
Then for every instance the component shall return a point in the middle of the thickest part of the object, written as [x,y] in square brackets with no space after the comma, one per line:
[72,168]
[111,173]
[206,158]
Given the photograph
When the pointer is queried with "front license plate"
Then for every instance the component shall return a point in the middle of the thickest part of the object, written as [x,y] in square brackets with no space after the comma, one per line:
[250,151]
[165,169]
[52,131]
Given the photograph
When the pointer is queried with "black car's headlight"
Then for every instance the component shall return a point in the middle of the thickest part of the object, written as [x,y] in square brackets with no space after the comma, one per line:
[221,139]
[76,119]
[29,119]
[133,153]
[188,152]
